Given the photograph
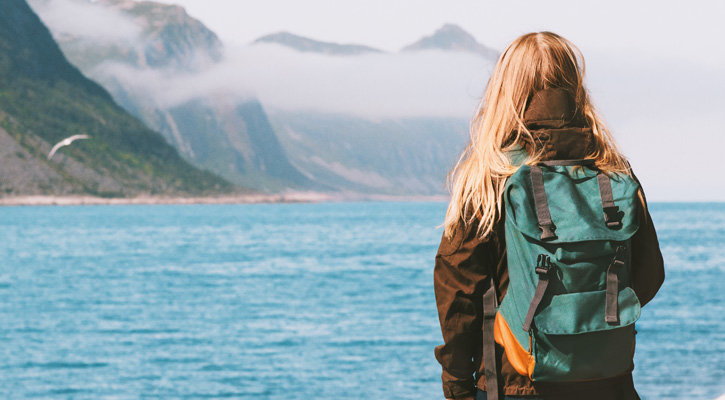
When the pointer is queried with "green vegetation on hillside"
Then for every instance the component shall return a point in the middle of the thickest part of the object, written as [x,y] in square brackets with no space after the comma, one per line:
[44,99]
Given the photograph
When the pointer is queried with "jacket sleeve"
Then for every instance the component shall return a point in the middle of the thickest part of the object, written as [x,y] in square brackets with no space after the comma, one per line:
[648,270]
[461,273]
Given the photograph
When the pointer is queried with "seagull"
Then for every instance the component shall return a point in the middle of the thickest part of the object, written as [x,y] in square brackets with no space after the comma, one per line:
[65,142]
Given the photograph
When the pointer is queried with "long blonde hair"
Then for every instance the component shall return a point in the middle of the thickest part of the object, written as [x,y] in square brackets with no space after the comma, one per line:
[532,62]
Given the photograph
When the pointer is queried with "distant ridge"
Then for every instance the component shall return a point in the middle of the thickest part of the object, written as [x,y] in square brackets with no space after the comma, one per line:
[304,44]
[452,38]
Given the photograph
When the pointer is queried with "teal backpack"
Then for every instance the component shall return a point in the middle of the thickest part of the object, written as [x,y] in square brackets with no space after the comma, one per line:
[569,311]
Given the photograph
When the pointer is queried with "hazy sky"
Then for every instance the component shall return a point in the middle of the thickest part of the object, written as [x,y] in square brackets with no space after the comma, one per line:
[685,30]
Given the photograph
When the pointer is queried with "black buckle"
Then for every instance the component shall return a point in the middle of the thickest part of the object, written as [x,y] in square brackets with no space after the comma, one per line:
[543,264]
[619,256]
[612,217]
[547,231]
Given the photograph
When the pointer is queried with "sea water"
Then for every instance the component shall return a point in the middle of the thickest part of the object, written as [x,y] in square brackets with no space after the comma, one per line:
[288,301]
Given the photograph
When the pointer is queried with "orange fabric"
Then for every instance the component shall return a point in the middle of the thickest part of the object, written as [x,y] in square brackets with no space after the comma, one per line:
[521,359]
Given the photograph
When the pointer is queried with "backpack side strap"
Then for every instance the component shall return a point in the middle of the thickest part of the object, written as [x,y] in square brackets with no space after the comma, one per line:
[489,344]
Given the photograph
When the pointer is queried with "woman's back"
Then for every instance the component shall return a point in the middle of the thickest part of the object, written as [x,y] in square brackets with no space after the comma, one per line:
[552,125]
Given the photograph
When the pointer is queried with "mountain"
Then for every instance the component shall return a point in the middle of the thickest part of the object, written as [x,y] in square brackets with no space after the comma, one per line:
[143,34]
[236,140]
[207,112]
[220,132]
[170,36]
[44,99]
[388,156]
[304,44]
[452,38]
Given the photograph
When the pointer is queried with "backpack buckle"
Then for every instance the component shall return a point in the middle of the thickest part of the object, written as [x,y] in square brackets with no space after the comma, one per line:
[543,264]
[613,217]
[619,256]
[547,231]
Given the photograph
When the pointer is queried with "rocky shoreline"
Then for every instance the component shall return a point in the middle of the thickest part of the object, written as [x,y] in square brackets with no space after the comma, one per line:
[295,197]
[93,200]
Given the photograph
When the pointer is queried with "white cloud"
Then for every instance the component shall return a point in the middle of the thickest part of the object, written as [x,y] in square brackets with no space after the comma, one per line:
[87,20]
[435,84]
[377,85]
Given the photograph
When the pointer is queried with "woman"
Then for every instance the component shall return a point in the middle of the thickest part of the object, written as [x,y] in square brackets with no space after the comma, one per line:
[535,100]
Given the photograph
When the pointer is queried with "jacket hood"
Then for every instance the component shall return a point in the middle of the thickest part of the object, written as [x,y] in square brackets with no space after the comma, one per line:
[558,127]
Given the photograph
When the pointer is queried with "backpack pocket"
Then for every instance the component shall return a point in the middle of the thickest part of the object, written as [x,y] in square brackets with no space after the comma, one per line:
[572,340]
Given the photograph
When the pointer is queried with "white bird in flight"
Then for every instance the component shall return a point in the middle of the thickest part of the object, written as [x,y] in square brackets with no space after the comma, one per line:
[65,142]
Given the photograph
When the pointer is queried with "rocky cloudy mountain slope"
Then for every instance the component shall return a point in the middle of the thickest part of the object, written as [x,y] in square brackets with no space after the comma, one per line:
[396,157]
[255,116]
[159,47]
[145,35]
[44,99]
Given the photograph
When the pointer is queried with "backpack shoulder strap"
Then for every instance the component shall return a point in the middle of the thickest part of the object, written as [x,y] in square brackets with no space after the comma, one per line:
[489,344]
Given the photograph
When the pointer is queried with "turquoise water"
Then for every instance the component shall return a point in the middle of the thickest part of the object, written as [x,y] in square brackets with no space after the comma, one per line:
[293,301]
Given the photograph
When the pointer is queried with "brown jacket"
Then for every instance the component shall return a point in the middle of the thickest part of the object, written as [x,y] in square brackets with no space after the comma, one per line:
[465,262]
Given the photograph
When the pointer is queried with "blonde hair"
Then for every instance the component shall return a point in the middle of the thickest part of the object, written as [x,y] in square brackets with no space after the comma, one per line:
[532,62]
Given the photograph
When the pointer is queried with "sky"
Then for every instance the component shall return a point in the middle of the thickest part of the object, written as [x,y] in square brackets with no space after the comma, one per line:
[682,30]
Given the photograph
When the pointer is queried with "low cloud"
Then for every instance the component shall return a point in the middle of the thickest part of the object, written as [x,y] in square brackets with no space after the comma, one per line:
[430,83]
[434,84]
[440,84]
[83,19]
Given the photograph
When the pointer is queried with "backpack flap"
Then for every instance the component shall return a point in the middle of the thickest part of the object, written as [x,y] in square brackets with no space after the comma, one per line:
[578,313]
[574,203]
